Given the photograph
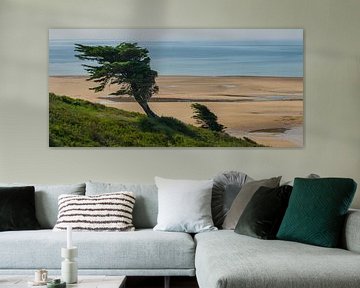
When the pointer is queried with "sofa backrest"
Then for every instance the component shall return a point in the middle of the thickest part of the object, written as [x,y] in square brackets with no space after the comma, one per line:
[351,237]
[146,203]
[46,200]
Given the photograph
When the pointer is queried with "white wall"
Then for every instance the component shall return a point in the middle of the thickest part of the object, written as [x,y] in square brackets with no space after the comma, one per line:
[332,90]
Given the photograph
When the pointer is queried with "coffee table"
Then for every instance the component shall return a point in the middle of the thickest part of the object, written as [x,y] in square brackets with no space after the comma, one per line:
[83,282]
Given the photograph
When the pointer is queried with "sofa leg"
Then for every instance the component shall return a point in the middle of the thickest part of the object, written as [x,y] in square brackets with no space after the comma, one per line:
[167,282]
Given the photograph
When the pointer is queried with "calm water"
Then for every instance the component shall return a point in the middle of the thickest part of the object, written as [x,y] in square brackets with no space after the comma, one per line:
[251,58]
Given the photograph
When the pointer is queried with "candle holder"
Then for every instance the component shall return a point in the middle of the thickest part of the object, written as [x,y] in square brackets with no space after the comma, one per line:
[69,272]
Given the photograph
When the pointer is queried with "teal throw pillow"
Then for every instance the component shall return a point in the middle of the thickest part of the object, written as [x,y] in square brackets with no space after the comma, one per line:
[316,211]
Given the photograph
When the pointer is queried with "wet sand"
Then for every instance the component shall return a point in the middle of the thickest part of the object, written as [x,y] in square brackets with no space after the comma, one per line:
[268,110]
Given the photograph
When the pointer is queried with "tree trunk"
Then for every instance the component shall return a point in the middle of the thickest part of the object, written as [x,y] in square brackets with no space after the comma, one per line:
[147,110]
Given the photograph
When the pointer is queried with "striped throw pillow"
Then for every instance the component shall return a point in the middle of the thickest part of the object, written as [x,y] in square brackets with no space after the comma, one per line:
[105,212]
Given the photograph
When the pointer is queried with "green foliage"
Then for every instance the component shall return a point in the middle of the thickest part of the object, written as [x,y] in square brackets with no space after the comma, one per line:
[249,140]
[167,125]
[126,65]
[205,118]
[78,123]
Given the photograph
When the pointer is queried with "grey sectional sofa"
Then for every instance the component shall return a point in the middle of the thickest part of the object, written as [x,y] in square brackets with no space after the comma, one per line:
[226,259]
[219,259]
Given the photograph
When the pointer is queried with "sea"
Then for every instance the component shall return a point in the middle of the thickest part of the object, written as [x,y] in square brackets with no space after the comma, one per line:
[278,58]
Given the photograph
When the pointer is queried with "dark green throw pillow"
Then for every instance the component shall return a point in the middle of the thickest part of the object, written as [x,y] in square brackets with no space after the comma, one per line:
[17,208]
[316,211]
[263,214]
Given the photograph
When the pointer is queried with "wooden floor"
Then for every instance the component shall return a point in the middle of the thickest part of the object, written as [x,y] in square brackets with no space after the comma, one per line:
[158,282]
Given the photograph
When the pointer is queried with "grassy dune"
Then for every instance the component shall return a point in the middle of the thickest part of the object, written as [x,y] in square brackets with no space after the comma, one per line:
[242,104]
[79,123]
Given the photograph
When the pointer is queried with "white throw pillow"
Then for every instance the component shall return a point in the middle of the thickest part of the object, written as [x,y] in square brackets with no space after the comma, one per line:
[184,205]
[105,212]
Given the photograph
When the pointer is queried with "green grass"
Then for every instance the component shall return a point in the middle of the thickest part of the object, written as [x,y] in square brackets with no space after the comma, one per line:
[78,123]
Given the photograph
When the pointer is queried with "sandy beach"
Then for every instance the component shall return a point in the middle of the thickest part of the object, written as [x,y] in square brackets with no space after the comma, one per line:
[268,110]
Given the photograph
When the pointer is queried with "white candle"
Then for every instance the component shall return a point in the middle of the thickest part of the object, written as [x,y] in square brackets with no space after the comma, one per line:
[69,237]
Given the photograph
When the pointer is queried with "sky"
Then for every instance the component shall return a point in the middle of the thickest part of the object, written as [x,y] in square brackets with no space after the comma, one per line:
[176,34]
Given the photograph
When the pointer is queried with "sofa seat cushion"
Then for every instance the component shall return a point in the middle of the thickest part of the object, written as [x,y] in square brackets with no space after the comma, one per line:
[225,259]
[142,249]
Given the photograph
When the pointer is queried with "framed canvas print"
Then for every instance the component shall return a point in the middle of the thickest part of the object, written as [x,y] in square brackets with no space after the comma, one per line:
[176,88]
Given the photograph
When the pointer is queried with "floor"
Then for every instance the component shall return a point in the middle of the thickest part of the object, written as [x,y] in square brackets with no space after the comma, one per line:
[158,282]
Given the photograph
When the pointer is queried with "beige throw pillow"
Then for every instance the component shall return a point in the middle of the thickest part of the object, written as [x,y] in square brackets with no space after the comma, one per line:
[243,198]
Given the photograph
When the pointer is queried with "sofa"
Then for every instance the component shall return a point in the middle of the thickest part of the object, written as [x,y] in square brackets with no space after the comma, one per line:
[219,259]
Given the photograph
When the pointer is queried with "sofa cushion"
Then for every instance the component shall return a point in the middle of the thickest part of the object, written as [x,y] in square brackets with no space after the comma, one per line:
[350,239]
[146,205]
[17,208]
[263,215]
[310,176]
[317,209]
[143,249]
[225,189]
[225,259]
[184,205]
[46,200]
[105,212]
[243,198]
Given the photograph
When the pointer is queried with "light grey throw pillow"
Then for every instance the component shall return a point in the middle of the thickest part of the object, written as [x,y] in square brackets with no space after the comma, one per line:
[184,205]
[46,200]
[243,198]
[226,187]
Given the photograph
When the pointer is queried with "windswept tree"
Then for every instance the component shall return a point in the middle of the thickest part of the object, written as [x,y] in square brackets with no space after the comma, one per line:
[205,118]
[126,65]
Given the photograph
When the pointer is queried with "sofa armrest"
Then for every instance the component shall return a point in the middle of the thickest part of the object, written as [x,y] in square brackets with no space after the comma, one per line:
[351,234]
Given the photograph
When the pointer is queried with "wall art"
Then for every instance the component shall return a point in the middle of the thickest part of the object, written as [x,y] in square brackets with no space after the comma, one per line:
[176,87]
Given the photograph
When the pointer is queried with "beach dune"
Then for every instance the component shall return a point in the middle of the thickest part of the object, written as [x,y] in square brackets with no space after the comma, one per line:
[268,110]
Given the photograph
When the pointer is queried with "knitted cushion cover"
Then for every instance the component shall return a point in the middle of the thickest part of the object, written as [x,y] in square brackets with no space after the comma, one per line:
[105,212]
[316,211]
